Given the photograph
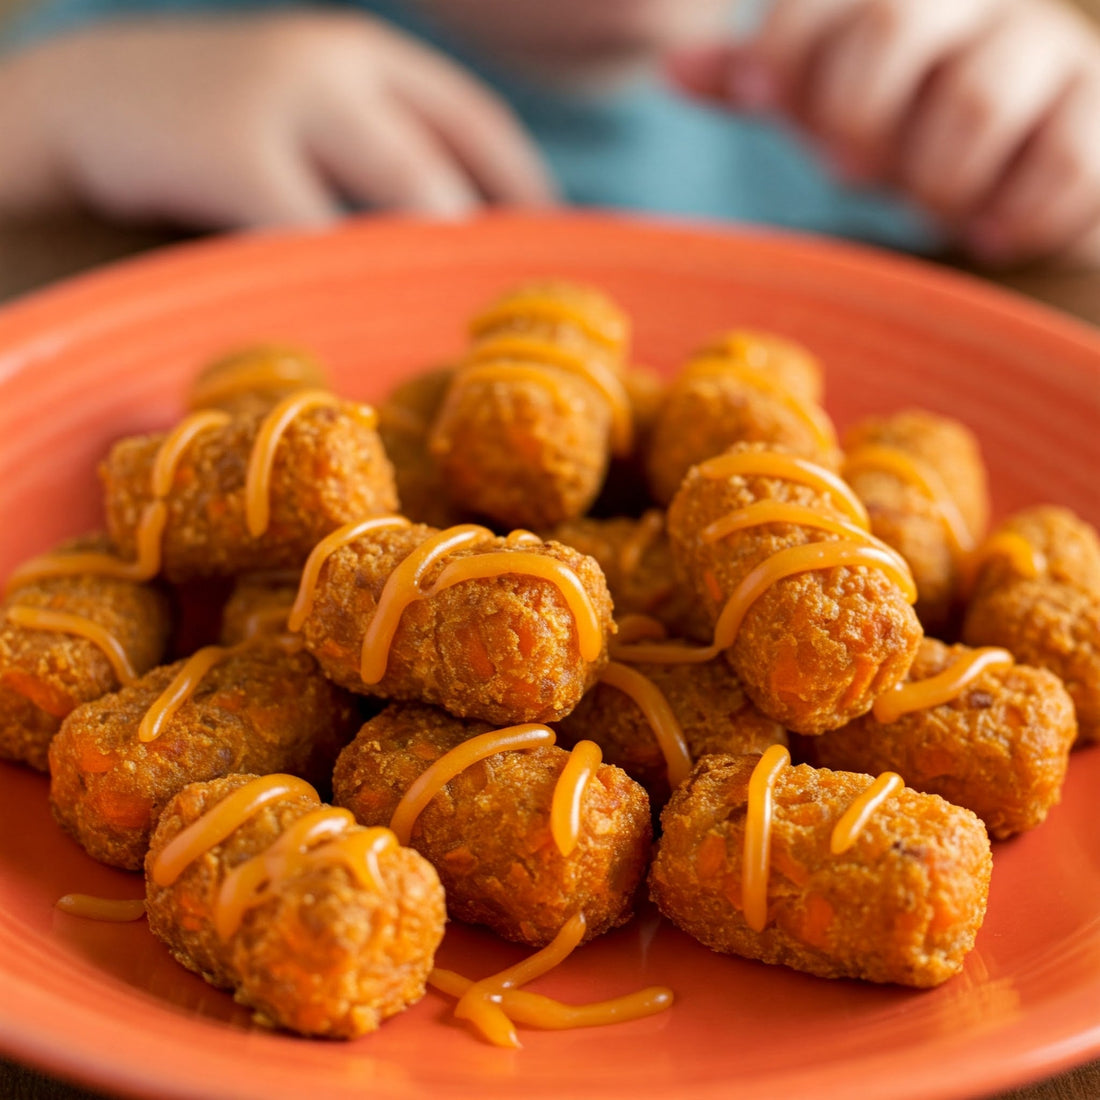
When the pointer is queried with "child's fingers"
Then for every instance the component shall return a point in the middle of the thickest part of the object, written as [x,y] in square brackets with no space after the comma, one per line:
[1051,195]
[378,153]
[868,73]
[972,120]
[479,130]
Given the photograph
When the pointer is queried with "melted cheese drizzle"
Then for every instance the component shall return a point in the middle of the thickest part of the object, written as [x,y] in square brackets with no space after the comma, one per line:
[941,688]
[789,468]
[257,489]
[494,1003]
[790,562]
[171,451]
[154,517]
[1027,560]
[646,532]
[221,821]
[812,416]
[254,370]
[910,470]
[320,838]
[535,1010]
[651,701]
[605,326]
[637,627]
[756,857]
[565,806]
[859,548]
[499,563]
[180,690]
[502,358]
[852,821]
[40,618]
[115,910]
[440,772]
[522,537]
[342,536]
[402,588]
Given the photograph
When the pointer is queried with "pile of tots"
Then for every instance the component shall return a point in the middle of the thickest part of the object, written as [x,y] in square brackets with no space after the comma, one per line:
[551,632]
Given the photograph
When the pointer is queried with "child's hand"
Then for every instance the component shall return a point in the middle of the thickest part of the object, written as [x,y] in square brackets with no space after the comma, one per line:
[252,121]
[987,112]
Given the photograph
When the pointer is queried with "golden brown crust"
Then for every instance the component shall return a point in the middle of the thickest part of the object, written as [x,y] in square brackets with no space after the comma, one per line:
[523,452]
[815,649]
[326,956]
[715,715]
[44,675]
[903,904]
[488,831]
[405,418]
[262,709]
[330,468]
[213,386]
[906,519]
[504,649]
[530,451]
[789,362]
[259,604]
[1051,621]
[706,414]
[1000,749]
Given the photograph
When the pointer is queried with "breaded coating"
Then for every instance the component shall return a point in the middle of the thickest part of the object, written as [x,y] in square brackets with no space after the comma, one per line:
[816,648]
[714,713]
[487,832]
[329,469]
[259,604]
[1001,748]
[251,381]
[1050,620]
[261,709]
[44,675]
[324,955]
[505,648]
[903,904]
[789,362]
[523,437]
[707,410]
[906,518]
[636,558]
[405,418]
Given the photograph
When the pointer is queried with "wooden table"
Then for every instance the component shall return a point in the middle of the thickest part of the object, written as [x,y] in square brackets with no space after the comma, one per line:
[32,255]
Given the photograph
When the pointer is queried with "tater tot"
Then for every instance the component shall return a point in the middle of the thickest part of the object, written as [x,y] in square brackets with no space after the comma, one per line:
[331,949]
[1040,600]
[505,647]
[45,673]
[814,648]
[902,904]
[526,430]
[708,702]
[922,479]
[730,394]
[405,418]
[1000,747]
[329,467]
[261,708]
[636,558]
[488,831]
[260,603]
[253,380]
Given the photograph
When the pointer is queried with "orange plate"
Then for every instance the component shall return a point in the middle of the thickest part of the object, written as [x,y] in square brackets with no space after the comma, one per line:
[110,354]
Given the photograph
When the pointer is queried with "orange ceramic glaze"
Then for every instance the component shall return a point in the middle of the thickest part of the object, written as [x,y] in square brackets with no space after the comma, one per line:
[377,299]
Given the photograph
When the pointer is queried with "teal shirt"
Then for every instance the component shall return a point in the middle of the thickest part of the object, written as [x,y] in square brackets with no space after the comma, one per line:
[642,147]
